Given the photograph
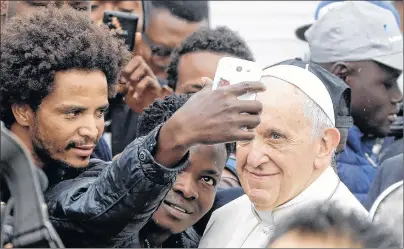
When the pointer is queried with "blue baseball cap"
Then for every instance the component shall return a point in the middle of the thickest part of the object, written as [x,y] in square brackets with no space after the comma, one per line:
[324,6]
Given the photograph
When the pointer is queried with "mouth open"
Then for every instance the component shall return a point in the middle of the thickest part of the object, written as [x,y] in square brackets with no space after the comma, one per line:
[176,207]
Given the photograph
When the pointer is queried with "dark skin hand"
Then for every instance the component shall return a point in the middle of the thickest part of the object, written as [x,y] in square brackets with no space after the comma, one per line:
[209,117]
[139,85]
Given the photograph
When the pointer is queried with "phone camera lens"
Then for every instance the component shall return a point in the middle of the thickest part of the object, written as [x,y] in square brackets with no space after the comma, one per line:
[238,69]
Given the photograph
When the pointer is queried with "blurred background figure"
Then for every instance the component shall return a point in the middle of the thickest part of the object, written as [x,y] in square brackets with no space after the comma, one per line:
[371,69]
[165,25]
[169,23]
[388,208]
[328,226]
[390,172]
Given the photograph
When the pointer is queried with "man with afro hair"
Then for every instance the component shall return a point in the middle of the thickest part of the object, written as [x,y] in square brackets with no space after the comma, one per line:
[12,8]
[194,189]
[58,70]
[197,57]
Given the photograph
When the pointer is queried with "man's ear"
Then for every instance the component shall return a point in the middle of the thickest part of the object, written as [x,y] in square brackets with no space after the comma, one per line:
[329,143]
[341,70]
[23,114]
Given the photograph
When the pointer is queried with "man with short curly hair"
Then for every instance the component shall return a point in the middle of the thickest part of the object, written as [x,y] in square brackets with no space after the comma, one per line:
[58,69]
[197,57]
[50,54]
[9,9]
[193,191]
[199,54]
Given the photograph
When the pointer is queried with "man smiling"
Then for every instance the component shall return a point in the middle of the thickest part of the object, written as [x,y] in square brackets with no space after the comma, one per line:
[288,164]
[190,197]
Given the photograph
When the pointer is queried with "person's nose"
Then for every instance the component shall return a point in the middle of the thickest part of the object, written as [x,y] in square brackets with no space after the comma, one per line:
[397,96]
[186,186]
[89,129]
[256,157]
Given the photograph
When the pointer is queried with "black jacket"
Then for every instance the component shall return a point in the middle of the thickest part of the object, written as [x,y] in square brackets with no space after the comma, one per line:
[89,210]
[129,238]
[390,172]
[102,151]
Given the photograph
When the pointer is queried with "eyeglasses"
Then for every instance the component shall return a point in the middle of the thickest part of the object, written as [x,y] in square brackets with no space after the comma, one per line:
[157,50]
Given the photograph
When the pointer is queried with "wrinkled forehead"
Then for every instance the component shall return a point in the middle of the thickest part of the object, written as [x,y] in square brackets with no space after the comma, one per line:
[282,105]
[211,156]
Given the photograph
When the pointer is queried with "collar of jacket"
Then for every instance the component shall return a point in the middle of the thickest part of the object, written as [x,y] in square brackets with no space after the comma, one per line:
[358,142]
[187,239]
[57,173]
[321,190]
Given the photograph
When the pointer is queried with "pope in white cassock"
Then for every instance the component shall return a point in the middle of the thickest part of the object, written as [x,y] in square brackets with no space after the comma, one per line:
[287,166]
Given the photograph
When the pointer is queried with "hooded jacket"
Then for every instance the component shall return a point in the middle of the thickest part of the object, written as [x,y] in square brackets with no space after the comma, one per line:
[357,165]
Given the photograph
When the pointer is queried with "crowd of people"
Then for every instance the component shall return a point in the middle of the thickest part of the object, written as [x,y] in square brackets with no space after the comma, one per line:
[139,151]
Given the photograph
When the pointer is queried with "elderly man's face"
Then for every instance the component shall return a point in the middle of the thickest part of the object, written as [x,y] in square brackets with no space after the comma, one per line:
[284,158]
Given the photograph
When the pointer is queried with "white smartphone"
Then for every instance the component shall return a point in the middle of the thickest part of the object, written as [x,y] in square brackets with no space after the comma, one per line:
[232,71]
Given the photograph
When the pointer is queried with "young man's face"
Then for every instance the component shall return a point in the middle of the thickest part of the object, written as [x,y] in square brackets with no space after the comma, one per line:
[375,96]
[164,33]
[192,67]
[194,191]
[70,120]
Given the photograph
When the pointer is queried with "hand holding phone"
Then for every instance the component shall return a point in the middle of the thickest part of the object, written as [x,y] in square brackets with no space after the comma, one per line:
[125,25]
[212,117]
[232,71]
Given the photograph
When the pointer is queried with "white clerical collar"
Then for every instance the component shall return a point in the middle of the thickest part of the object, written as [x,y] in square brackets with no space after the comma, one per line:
[322,189]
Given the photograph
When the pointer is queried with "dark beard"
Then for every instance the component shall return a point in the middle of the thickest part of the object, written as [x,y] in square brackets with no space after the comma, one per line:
[55,169]
[44,155]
